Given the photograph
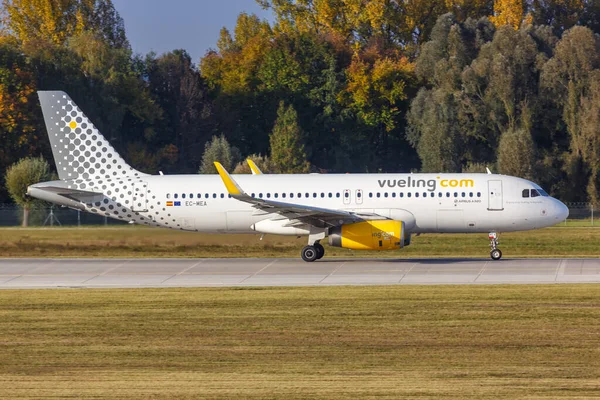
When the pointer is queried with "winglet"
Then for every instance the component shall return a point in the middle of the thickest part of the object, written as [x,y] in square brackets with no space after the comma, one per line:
[253,167]
[230,184]
[488,171]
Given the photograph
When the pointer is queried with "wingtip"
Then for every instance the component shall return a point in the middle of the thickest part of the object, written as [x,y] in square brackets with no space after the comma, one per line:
[232,187]
[253,167]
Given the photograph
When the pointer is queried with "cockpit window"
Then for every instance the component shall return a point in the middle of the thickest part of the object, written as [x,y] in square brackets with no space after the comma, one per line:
[535,193]
[543,193]
[525,192]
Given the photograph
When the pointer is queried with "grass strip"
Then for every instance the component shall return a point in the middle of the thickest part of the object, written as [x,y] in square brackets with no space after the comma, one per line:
[560,241]
[479,342]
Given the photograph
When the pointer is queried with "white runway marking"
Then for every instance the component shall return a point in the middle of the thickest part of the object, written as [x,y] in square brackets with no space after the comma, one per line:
[132,273]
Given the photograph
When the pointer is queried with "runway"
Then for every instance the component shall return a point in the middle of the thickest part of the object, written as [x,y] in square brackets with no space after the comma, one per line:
[133,273]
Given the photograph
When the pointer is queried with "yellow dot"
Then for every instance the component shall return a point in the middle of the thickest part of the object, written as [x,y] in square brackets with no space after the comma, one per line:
[73,124]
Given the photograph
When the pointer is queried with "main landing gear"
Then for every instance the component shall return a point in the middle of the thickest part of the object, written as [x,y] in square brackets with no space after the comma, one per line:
[496,254]
[312,253]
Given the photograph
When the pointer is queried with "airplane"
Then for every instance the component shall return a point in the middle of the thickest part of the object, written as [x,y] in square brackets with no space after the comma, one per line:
[354,211]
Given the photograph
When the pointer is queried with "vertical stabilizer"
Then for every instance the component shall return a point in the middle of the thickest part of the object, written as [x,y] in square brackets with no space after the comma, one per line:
[80,151]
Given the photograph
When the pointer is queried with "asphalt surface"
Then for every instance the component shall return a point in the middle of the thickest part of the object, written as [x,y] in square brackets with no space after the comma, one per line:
[128,273]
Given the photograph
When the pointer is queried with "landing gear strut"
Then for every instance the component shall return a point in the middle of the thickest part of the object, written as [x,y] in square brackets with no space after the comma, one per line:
[496,254]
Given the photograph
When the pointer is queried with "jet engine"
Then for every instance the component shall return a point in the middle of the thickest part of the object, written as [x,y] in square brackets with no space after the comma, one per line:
[370,235]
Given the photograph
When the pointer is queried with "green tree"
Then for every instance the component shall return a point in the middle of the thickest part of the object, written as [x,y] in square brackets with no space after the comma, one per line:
[218,149]
[19,176]
[570,79]
[516,154]
[287,148]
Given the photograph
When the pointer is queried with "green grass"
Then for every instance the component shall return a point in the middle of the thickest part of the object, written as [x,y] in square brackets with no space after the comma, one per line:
[538,341]
[134,241]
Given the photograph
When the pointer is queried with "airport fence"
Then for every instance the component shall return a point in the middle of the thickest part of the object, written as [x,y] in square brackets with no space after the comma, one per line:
[12,215]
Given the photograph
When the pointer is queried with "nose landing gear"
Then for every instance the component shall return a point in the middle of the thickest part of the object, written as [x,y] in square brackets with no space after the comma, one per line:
[495,253]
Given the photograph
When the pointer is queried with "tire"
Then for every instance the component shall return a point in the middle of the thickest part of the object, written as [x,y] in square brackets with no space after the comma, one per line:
[309,253]
[320,250]
[496,254]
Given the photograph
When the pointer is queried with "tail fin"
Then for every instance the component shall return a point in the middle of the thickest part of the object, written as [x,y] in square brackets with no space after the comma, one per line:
[80,151]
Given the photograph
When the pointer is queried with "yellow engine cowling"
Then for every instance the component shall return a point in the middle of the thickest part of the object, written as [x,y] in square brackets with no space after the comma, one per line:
[369,235]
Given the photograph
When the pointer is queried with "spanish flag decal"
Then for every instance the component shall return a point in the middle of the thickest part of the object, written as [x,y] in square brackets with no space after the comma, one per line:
[169,204]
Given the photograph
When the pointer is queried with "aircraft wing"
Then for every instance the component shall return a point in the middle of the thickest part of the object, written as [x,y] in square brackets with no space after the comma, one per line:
[315,216]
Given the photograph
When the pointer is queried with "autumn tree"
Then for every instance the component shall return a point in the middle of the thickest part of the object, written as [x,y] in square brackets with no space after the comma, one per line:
[56,21]
[262,162]
[20,176]
[287,148]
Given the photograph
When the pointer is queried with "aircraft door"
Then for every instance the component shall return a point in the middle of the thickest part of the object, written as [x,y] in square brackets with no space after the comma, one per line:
[495,202]
[359,196]
[140,196]
[347,196]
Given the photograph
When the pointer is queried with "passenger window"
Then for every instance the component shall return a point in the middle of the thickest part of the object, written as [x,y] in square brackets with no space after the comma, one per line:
[260,195]
[394,194]
[175,195]
[534,193]
[346,195]
[463,194]
[206,196]
[409,194]
[385,194]
[378,195]
[447,194]
[214,195]
[370,194]
[306,195]
[291,195]
[478,194]
[440,194]
[199,195]
[183,195]
[417,194]
[424,194]
[191,195]
[525,193]
[253,195]
[268,195]
[401,194]
[168,195]
[322,194]
[229,196]
[314,195]
[359,195]
[330,195]
[276,195]
[470,194]
[283,195]
[222,196]
[337,195]
[455,194]
[432,194]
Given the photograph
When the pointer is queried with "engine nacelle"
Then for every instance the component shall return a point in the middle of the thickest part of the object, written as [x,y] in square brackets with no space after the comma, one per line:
[369,235]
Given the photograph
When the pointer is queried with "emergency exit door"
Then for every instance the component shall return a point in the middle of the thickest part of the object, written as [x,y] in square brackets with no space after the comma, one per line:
[495,196]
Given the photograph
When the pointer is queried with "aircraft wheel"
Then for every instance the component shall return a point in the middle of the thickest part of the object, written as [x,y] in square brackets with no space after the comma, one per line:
[309,253]
[320,250]
[496,254]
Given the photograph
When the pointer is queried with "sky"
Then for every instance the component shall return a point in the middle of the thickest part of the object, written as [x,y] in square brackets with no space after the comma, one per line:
[192,25]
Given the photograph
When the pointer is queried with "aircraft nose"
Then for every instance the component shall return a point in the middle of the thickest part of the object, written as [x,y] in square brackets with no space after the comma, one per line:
[561,211]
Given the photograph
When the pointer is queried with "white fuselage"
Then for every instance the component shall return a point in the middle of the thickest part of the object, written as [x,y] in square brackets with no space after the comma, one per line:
[430,202]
